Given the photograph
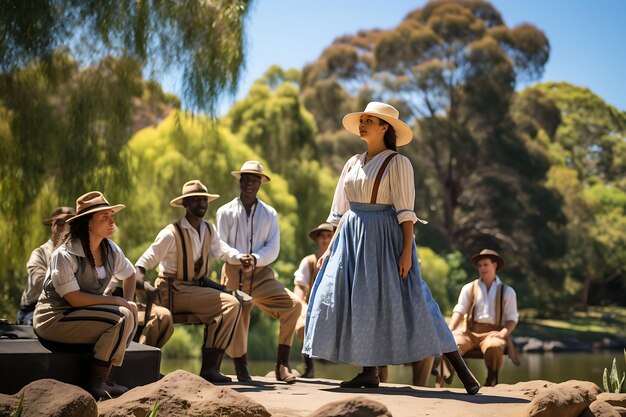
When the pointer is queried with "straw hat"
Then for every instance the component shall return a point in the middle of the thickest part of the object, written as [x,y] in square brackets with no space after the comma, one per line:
[384,111]
[193,188]
[92,202]
[313,234]
[59,213]
[491,254]
[251,167]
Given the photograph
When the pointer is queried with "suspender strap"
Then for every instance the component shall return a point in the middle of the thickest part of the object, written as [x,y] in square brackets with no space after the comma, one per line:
[379,177]
[499,304]
[470,313]
[185,269]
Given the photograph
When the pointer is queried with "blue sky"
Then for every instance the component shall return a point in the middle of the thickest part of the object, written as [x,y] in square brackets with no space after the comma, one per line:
[587,37]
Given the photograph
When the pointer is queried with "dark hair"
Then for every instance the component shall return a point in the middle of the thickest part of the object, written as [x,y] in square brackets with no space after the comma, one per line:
[79,229]
[390,136]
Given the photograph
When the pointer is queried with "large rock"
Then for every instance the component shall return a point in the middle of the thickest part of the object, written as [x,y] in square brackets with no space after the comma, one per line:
[600,409]
[181,393]
[50,398]
[618,400]
[354,407]
[527,388]
[567,399]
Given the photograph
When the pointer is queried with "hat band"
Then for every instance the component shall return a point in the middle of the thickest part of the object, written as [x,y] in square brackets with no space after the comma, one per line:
[196,191]
[81,211]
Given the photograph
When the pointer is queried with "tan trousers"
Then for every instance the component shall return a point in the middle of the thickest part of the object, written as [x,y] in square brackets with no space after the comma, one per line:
[477,338]
[109,328]
[219,311]
[159,327]
[270,296]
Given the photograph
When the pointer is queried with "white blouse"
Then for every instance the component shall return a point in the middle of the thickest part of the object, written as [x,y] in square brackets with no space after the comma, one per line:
[397,186]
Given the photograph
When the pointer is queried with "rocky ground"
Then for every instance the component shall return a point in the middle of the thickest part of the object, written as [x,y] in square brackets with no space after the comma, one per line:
[181,393]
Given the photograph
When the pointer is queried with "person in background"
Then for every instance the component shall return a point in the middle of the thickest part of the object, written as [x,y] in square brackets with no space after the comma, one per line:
[248,229]
[183,252]
[38,262]
[491,309]
[304,278]
[72,307]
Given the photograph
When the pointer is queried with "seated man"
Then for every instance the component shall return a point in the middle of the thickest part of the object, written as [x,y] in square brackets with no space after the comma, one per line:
[491,309]
[183,251]
[38,262]
[304,278]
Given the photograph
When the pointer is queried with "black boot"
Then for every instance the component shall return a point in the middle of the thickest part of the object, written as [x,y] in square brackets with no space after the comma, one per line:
[492,378]
[211,362]
[283,370]
[96,379]
[241,369]
[114,388]
[366,379]
[468,379]
[309,372]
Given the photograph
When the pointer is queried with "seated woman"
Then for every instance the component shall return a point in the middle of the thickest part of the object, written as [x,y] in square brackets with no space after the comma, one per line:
[72,309]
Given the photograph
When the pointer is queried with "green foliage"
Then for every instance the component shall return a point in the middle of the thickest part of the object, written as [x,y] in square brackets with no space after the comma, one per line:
[612,381]
[435,271]
[154,411]
[20,408]
[203,40]
[184,343]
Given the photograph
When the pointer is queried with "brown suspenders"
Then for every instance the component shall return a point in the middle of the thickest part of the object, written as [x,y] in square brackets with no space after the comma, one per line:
[379,177]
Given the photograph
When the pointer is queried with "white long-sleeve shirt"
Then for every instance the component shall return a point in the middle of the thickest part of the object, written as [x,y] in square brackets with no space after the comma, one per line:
[164,253]
[397,186]
[485,302]
[236,229]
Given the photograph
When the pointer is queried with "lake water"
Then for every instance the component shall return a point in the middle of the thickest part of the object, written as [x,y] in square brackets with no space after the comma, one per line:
[555,367]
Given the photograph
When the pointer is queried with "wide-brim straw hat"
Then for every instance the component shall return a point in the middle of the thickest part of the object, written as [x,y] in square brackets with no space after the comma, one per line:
[491,254]
[92,202]
[251,167]
[313,234]
[193,188]
[404,134]
[59,213]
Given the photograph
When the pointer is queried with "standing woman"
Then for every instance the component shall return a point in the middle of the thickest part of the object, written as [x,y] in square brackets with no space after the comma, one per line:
[72,309]
[370,306]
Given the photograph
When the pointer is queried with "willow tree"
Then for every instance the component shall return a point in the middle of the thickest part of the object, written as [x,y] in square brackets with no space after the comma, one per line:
[72,94]
[451,68]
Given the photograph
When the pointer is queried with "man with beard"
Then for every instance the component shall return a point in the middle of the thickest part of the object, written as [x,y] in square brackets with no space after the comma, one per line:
[248,229]
[38,262]
[183,251]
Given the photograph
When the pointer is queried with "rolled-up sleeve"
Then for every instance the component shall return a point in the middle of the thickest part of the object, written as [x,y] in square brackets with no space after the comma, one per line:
[63,267]
[123,267]
[164,243]
[403,191]
[510,305]
[340,202]
[463,305]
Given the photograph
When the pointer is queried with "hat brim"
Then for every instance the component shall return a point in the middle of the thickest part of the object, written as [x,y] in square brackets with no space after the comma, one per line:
[178,201]
[116,208]
[66,216]
[404,134]
[237,174]
[314,234]
[499,260]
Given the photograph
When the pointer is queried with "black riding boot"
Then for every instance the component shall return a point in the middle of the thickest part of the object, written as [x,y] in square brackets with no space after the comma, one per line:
[366,379]
[211,362]
[309,372]
[468,379]
[241,368]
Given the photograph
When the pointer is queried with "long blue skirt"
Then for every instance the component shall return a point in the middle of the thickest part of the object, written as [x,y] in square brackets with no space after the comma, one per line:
[361,311]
